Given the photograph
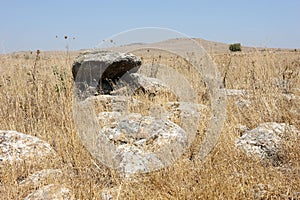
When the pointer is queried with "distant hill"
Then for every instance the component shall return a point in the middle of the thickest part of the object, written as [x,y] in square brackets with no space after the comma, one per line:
[183,44]
[178,44]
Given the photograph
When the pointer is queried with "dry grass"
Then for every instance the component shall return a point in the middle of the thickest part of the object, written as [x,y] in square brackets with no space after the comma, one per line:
[36,98]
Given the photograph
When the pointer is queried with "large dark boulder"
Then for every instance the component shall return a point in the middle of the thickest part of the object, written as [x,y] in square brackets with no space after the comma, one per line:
[101,69]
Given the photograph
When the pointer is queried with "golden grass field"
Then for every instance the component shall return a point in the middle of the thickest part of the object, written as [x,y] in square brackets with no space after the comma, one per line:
[36,96]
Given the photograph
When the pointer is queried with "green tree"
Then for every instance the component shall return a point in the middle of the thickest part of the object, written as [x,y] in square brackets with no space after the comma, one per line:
[235,47]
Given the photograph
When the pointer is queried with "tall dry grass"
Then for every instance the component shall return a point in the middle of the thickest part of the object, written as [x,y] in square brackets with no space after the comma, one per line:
[36,92]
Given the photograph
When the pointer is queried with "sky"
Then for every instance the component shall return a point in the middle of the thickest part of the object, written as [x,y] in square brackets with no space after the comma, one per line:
[36,24]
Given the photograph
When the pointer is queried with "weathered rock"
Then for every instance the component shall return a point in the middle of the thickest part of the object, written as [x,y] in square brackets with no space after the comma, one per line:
[102,68]
[158,111]
[137,139]
[40,177]
[15,147]
[265,141]
[51,192]
[150,86]
[135,160]
[135,127]
[109,119]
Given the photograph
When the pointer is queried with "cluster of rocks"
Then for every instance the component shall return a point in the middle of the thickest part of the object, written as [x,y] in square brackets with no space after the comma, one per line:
[19,149]
[137,136]
[140,133]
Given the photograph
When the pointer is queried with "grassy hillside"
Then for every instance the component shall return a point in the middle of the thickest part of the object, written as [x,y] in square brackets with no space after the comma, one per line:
[36,94]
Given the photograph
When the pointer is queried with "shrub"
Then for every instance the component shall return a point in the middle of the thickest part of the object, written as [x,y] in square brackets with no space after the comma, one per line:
[235,47]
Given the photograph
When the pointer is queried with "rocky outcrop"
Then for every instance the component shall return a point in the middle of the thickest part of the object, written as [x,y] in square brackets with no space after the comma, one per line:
[138,142]
[19,147]
[138,137]
[135,128]
[128,134]
[265,141]
[101,69]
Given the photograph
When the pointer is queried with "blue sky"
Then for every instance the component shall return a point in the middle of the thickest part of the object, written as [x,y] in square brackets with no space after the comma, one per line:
[32,24]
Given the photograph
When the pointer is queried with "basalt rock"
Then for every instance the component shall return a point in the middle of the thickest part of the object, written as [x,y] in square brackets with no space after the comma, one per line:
[101,69]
